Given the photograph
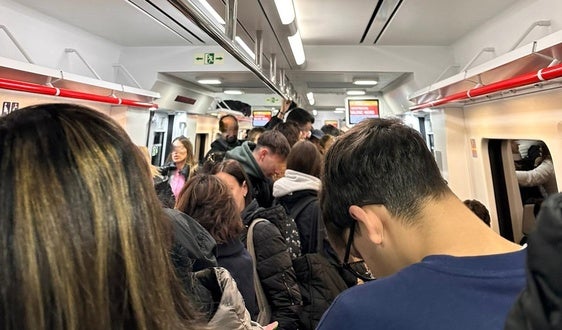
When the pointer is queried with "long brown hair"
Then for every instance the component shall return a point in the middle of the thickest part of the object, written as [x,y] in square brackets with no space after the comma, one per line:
[83,241]
[209,201]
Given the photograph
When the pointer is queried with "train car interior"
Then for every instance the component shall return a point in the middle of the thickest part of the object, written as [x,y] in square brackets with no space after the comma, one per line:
[474,77]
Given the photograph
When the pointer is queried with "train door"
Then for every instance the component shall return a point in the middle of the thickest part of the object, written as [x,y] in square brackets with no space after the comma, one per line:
[523,176]
[501,180]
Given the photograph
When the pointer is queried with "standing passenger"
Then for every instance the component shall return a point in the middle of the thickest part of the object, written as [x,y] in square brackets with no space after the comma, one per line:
[228,139]
[180,166]
[384,200]
[261,162]
[274,266]
[210,202]
[83,239]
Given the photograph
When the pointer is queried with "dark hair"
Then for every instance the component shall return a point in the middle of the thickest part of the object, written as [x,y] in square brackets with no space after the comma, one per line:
[379,161]
[233,167]
[300,116]
[84,242]
[305,158]
[290,130]
[222,124]
[253,132]
[190,159]
[479,209]
[274,141]
[330,129]
[208,200]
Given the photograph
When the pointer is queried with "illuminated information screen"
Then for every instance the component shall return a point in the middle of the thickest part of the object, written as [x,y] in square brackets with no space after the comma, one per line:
[358,110]
[261,117]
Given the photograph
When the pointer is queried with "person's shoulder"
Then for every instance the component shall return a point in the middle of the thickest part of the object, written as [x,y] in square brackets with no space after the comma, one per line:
[358,307]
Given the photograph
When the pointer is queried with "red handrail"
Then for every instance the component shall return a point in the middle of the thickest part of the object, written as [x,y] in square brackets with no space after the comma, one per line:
[47,90]
[543,74]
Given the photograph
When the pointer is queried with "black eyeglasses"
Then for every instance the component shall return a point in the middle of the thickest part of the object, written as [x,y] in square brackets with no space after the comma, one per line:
[357,268]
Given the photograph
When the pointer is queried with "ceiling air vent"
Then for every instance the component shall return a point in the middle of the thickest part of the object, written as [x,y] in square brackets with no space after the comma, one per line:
[185,99]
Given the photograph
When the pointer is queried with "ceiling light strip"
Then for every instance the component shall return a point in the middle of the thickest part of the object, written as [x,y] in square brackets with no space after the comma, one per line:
[286,11]
[295,42]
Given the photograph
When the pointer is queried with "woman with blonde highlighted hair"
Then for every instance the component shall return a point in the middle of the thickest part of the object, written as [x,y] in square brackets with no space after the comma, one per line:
[82,237]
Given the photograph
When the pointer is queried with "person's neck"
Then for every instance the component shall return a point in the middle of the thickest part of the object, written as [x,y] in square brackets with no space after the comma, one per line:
[448,227]
[180,165]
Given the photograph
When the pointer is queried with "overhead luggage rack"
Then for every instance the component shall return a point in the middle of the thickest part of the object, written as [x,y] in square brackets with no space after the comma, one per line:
[533,63]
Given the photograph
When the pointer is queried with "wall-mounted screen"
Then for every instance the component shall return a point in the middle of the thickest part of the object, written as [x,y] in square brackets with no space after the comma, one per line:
[335,123]
[260,117]
[358,109]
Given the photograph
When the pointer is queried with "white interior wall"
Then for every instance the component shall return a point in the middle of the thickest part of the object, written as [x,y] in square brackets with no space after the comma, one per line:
[44,39]
[503,30]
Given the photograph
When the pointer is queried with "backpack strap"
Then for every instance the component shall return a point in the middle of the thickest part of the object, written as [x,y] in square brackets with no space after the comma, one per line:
[264,315]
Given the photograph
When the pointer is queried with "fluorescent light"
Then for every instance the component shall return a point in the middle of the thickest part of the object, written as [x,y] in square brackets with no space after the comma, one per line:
[365,82]
[209,81]
[296,46]
[212,11]
[355,92]
[286,11]
[233,92]
[310,98]
[314,112]
[245,47]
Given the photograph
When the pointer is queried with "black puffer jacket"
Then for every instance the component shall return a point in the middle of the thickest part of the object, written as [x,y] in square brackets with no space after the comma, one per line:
[275,268]
[539,307]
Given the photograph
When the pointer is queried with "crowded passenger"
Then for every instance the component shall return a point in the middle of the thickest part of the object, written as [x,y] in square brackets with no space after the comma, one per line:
[297,192]
[301,183]
[274,270]
[208,200]
[315,137]
[179,166]
[261,162]
[228,139]
[384,201]
[84,243]
[290,130]
[254,134]
[331,130]
[542,174]
[299,116]
[479,209]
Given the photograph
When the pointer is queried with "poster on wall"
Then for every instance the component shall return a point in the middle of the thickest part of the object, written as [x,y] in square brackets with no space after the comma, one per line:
[334,123]
[260,117]
[358,109]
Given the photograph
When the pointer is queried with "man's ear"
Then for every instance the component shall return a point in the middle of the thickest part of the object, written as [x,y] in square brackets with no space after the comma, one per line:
[262,153]
[369,222]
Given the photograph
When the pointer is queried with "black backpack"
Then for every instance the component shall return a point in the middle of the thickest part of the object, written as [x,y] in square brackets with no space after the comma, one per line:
[319,274]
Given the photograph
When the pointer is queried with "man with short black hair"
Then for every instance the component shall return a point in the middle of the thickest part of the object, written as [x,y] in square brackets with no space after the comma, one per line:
[438,266]
[228,139]
[262,161]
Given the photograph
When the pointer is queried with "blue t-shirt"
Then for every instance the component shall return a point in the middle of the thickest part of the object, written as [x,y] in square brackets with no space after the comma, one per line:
[440,292]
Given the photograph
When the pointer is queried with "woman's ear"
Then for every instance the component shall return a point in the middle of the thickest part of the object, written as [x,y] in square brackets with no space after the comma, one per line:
[370,224]
[245,188]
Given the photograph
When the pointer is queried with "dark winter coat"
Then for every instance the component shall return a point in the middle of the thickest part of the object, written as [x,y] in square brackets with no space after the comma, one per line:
[219,147]
[540,304]
[275,269]
[235,258]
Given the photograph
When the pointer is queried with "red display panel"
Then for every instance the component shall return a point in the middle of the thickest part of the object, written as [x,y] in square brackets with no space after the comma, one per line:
[359,109]
[261,117]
